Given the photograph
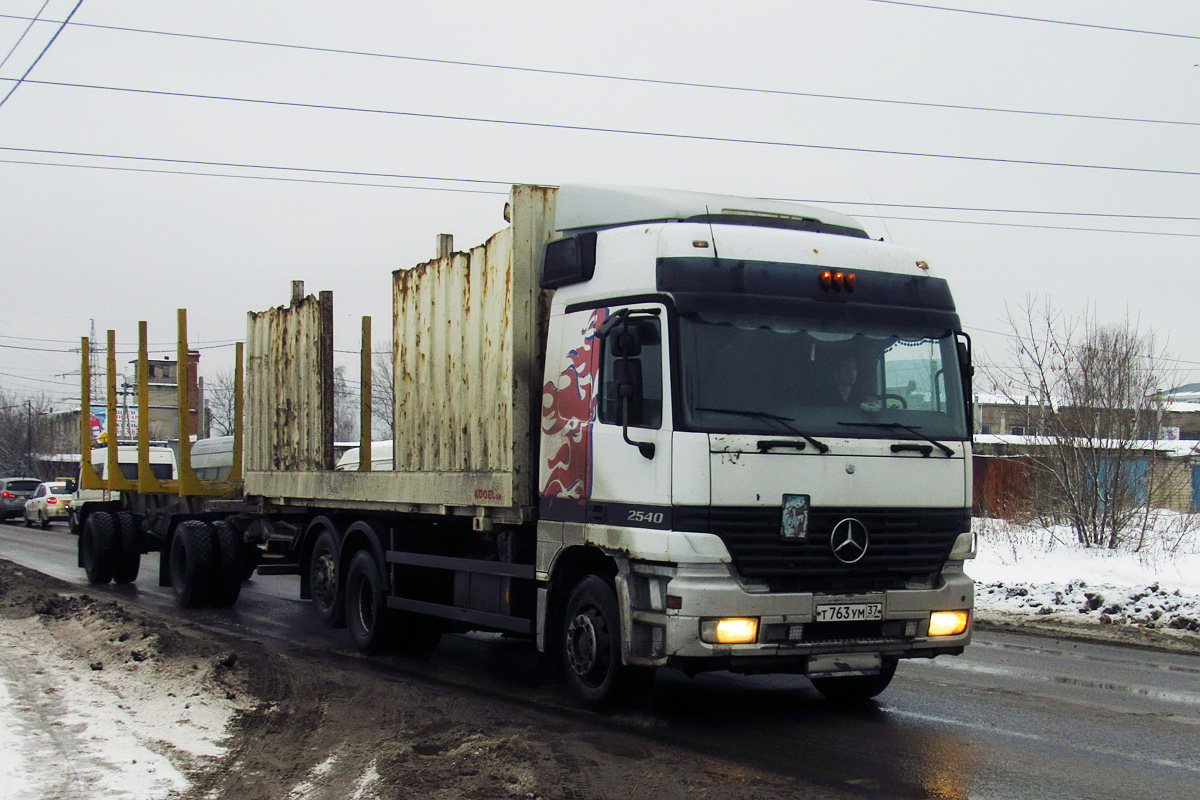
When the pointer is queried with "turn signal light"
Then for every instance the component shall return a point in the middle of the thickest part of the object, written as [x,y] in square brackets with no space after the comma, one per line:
[729,630]
[948,623]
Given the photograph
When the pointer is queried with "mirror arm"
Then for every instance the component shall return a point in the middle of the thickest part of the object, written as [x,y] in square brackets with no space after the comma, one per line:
[645,448]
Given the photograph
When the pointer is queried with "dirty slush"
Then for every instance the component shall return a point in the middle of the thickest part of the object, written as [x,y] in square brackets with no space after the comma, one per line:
[303,726]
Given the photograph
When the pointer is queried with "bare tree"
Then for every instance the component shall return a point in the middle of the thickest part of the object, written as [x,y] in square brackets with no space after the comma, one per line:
[220,394]
[25,433]
[383,392]
[346,415]
[1092,395]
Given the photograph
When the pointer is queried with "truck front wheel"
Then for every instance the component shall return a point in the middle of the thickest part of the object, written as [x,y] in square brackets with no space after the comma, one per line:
[591,650]
[856,688]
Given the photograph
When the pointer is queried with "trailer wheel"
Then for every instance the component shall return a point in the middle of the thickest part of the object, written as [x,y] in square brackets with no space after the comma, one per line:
[98,546]
[192,560]
[328,597]
[129,557]
[227,565]
[366,606]
[591,650]
[853,689]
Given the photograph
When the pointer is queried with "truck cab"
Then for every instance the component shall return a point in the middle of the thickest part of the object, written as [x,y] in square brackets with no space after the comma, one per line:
[759,417]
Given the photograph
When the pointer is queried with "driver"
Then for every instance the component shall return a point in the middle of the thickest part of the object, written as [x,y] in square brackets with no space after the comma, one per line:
[845,376]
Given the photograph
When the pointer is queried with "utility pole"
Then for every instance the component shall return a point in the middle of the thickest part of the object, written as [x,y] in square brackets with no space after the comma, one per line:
[29,437]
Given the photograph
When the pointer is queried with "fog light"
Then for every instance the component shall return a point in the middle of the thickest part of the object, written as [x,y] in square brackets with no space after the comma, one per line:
[948,623]
[729,630]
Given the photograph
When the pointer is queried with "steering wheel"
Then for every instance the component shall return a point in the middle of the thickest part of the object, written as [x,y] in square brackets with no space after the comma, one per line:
[884,398]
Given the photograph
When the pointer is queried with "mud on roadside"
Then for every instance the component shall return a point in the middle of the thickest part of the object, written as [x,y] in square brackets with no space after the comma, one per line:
[303,728]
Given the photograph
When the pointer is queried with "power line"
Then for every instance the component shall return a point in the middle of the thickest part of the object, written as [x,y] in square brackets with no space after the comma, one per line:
[1068,23]
[247,177]
[237,165]
[146,170]
[619,131]
[321,171]
[24,33]
[21,80]
[628,78]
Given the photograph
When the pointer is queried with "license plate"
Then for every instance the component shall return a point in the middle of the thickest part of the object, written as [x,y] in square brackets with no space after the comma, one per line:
[850,612]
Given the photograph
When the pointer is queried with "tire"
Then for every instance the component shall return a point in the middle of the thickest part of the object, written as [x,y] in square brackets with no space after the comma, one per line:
[366,606]
[129,559]
[856,689]
[328,592]
[28,521]
[192,559]
[591,650]
[43,523]
[227,565]
[98,546]
[72,524]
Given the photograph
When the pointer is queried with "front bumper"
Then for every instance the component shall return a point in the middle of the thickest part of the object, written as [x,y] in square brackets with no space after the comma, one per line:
[789,639]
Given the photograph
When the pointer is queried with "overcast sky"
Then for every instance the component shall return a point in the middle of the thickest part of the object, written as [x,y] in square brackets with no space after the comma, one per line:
[120,152]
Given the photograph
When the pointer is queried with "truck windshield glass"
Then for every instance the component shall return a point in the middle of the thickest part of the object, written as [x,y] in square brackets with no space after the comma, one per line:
[821,374]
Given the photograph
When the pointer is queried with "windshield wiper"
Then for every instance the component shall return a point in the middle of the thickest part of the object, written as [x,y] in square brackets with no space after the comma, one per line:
[910,428]
[821,446]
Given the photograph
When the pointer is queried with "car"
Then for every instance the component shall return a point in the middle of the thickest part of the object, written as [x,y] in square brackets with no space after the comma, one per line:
[13,494]
[51,500]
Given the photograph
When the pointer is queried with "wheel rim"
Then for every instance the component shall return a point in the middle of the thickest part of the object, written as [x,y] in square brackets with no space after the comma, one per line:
[588,646]
[324,579]
[365,606]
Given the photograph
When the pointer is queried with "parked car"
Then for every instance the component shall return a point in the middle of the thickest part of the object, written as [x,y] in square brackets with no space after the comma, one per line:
[51,500]
[13,494]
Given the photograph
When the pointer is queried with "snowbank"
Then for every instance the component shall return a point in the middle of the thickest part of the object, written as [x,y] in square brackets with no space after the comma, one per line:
[1045,573]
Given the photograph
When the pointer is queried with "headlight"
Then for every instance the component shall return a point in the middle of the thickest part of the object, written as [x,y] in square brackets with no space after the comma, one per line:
[729,630]
[948,623]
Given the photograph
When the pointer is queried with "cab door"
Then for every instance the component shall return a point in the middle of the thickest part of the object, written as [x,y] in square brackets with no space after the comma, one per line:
[631,429]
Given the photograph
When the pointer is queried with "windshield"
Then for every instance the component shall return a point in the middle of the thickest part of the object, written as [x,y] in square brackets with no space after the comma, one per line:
[766,375]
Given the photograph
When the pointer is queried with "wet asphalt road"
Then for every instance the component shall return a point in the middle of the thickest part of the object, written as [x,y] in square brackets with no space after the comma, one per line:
[1017,716]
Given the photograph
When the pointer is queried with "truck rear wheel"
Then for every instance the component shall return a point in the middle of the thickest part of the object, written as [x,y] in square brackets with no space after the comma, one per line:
[366,606]
[129,558]
[227,565]
[328,597]
[98,547]
[591,650]
[856,688]
[192,563]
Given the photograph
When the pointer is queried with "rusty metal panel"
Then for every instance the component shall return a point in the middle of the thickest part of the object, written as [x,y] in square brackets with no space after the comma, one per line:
[469,331]
[289,388]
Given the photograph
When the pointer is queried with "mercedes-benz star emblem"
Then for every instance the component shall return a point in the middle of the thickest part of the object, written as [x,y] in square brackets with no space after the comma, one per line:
[848,541]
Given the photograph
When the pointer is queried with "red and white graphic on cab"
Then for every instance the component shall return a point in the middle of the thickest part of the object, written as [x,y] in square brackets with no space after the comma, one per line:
[568,410]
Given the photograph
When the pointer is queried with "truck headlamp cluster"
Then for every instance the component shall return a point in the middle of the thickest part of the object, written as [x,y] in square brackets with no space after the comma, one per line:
[948,623]
[838,281]
[729,630]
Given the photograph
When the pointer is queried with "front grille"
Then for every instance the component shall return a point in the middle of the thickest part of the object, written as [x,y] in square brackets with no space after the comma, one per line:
[905,545]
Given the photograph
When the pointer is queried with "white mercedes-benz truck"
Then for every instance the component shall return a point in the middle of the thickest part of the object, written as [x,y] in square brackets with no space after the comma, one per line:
[643,428]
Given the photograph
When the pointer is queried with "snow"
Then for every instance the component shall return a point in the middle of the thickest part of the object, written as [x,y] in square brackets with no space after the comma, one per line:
[133,738]
[1045,573]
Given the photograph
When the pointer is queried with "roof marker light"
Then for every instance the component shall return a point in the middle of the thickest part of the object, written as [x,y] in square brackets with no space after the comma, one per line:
[826,280]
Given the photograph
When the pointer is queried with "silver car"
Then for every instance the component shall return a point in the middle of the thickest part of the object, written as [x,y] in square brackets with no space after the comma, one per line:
[13,494]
